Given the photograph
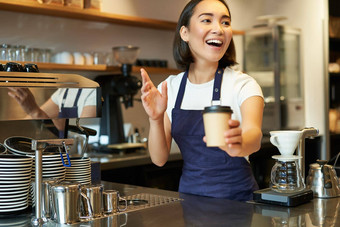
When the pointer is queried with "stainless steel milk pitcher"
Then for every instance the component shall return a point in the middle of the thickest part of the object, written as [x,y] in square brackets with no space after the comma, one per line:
[95,196]
[66,202]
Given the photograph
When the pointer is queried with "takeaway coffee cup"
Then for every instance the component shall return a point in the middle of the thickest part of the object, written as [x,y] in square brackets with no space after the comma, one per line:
[215,124]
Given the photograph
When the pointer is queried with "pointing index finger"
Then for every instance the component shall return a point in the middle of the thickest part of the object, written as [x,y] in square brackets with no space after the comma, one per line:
[145,76]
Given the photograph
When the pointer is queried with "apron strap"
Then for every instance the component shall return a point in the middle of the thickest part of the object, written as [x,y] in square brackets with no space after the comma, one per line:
[216,90]
[76,99]
[64,98]
[181,90]
[217,87]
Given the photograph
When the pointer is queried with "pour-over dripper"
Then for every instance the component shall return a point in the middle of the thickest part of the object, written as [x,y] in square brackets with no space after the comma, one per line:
[286,175]
[286,141]
[126,56]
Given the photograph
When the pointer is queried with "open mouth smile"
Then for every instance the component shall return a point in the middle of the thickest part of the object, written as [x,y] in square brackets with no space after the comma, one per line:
[214,42]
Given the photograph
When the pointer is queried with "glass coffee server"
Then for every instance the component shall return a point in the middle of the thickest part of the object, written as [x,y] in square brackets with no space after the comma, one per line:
[273,58]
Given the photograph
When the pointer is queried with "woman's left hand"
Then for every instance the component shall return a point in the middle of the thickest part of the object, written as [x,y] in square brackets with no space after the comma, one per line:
[233,139]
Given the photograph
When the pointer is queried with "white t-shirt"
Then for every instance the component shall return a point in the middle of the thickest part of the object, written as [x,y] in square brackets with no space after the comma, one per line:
[87,98]
[235,89]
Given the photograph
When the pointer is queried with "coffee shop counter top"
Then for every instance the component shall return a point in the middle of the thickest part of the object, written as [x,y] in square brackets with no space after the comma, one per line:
[116,160]
[121,160]
[169,208]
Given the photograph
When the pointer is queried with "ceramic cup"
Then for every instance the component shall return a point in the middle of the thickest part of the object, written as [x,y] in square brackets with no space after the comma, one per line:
[88,59]
[215,124]
[286,141]
[79,58]
[63,58]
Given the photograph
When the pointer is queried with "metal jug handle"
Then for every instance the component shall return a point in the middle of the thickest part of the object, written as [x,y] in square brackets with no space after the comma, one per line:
[336,161]
[89,206]
[125,221]
[125,203]
[327,182]
[67,156]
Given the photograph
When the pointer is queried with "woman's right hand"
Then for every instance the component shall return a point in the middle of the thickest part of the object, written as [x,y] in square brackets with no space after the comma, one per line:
[154,102]
[25,99]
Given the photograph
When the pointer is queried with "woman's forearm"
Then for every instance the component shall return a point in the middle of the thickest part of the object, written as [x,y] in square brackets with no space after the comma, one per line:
[159,148]
[251,141]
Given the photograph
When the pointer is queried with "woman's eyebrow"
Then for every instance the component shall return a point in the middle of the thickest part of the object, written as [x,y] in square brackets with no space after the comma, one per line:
[211,14]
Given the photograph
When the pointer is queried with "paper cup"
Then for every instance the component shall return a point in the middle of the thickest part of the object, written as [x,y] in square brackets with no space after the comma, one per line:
[215,124]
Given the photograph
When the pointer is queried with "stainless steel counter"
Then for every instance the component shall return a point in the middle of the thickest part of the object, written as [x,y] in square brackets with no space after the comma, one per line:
[203,211]
[120,160]
[140,157]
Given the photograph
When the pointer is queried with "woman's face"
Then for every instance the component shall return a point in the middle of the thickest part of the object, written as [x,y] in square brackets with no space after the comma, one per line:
[209,32]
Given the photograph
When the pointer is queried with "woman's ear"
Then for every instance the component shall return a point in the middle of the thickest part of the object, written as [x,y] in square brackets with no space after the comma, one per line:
[184,33]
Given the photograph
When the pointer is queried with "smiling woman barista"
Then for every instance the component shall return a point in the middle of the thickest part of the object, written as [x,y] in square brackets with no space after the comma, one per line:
[203,46]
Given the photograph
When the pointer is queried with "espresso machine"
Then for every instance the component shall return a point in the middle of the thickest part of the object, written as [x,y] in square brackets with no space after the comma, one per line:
[118,89]
[40,84]
[287,186]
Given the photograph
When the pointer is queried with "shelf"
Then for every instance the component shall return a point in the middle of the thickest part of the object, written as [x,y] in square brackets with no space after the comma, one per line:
[82,14]
[100,68]
[33,7]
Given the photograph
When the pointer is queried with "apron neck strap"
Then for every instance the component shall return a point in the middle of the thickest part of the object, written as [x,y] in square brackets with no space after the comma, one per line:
[76,99]
[216,90]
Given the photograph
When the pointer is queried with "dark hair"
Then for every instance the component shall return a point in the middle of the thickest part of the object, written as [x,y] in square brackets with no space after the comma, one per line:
[181,50]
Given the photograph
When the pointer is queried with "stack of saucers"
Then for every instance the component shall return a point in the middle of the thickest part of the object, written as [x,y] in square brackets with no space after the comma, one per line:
[80,170]
[15,178]
[52,166]
[51,160]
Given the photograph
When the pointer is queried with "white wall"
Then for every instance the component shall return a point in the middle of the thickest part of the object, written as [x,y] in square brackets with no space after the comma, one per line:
[156,9]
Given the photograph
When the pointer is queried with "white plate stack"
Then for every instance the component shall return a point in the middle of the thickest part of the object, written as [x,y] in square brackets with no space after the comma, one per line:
[80,170]
[15,178]
[52,168]
[51,161]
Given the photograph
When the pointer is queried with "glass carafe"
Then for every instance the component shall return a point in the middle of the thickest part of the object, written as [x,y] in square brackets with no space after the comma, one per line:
[286,176]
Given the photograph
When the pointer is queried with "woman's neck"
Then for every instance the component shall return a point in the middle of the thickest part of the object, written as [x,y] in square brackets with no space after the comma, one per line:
[199,74]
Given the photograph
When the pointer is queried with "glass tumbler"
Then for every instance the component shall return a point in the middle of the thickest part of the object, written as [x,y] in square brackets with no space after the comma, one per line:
[3,52]
[19,53]
[7,52]
[45,55]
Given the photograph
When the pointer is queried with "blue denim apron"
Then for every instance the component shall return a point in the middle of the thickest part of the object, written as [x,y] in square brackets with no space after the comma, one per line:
[208,171]
[68,112]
